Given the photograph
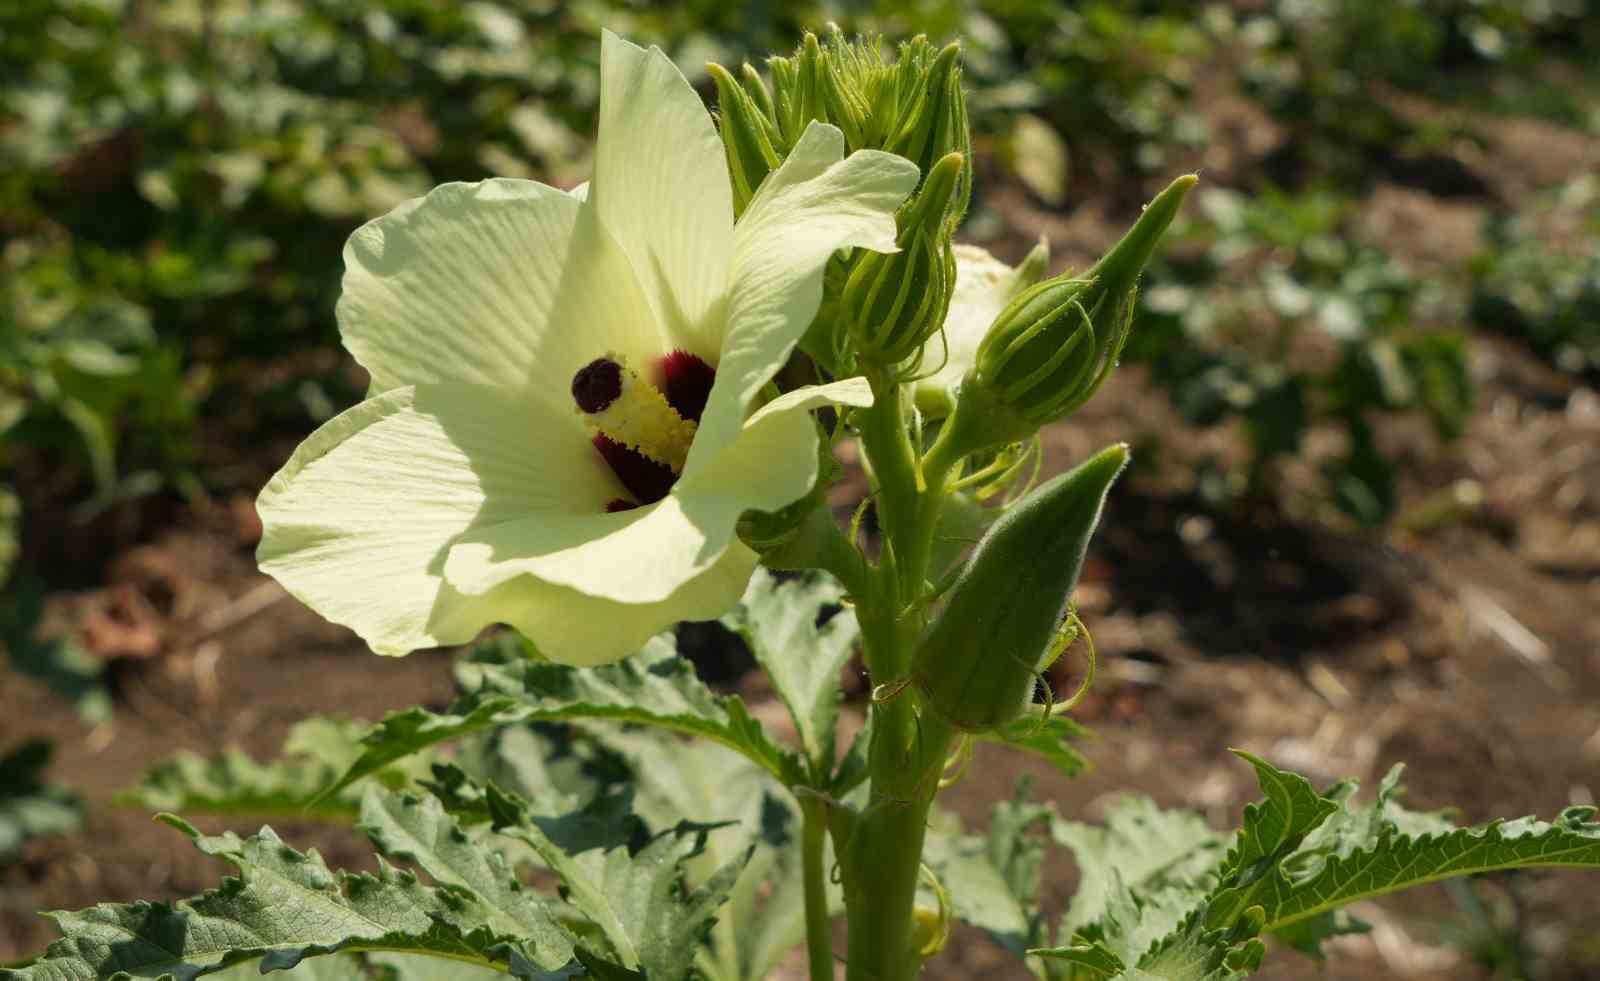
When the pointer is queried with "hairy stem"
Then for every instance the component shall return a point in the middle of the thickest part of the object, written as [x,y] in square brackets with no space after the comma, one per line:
[881,862]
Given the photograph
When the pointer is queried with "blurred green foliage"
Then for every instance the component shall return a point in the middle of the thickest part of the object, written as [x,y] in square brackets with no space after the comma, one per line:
[177,179]
[1269,310]
[1540,277]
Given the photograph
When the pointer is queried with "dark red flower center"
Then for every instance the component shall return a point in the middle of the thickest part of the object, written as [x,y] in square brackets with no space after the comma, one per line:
[597,384]
[685,382]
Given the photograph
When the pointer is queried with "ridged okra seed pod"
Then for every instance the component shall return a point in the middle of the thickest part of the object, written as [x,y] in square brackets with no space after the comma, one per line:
[1054,344]
[748,137]
[893,302]
[977,663]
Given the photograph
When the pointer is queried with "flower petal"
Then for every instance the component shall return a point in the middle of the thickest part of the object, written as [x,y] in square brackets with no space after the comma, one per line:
[773,462]
[575,628]
[651,554]
[357,523]
[506,284]
[662,191]
[810,207]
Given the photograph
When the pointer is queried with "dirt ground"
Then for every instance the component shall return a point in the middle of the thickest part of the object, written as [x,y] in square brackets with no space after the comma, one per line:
[1465,640]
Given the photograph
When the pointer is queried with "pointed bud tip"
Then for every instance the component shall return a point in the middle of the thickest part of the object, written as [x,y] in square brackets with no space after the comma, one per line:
[1109,462]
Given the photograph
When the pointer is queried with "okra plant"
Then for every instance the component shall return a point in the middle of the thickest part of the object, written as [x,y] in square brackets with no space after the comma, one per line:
[596,413]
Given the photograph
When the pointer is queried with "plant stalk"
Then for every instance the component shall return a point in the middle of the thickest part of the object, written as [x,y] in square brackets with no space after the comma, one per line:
[881,863]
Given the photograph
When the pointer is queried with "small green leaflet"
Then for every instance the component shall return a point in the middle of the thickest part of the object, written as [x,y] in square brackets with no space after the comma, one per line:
[1386,859]
[649,918]
[1276,826]
[654,687]
[1047,740]
[779,621]
[284,906]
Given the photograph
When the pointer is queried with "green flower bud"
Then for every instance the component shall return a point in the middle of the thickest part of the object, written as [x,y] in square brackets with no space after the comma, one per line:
[978,662]
[930,117]
[748,135]
[893,302]
[913,106]
[1051,348]
[1053,345]
[797,85]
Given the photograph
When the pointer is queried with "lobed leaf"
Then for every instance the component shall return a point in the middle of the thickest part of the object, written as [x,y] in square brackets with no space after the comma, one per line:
[315,753]
[654,687]
[648,917]
[283,907]
[416,828]
[800,631]
[993,878]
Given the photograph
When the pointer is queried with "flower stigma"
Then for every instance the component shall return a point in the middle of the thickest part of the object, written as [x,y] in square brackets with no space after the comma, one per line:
[643,431]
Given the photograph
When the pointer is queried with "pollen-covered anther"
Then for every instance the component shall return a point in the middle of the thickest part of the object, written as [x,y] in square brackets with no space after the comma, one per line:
[626,409]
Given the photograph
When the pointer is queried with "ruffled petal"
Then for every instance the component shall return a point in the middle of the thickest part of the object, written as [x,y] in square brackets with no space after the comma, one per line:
[650,554]
[661,190]
[504,284]
[357,523]
[810,207]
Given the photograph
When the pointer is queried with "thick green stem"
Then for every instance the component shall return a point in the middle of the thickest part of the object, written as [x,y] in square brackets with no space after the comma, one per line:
[813,838]
[881,862]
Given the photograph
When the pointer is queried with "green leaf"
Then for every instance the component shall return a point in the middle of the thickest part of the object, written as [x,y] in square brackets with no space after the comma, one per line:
[993,878]
[802,634]
[10,529]
[315,753]
[417,829]
[654,687]
[675,779]
[1092,959]
[1363,864]
[342,967]
[283,907]
[1048,741]
[1277,825]
[409,967]
[649,918]
[1139,848]
[28,806]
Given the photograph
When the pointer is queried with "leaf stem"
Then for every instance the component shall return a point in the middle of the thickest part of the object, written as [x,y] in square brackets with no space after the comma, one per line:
[819,936]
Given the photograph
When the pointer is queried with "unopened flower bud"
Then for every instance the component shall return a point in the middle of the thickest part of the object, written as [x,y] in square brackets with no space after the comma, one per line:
[978,662]
[930,118]
[1055,343]
[748,135]
[893,302]
[797,85]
